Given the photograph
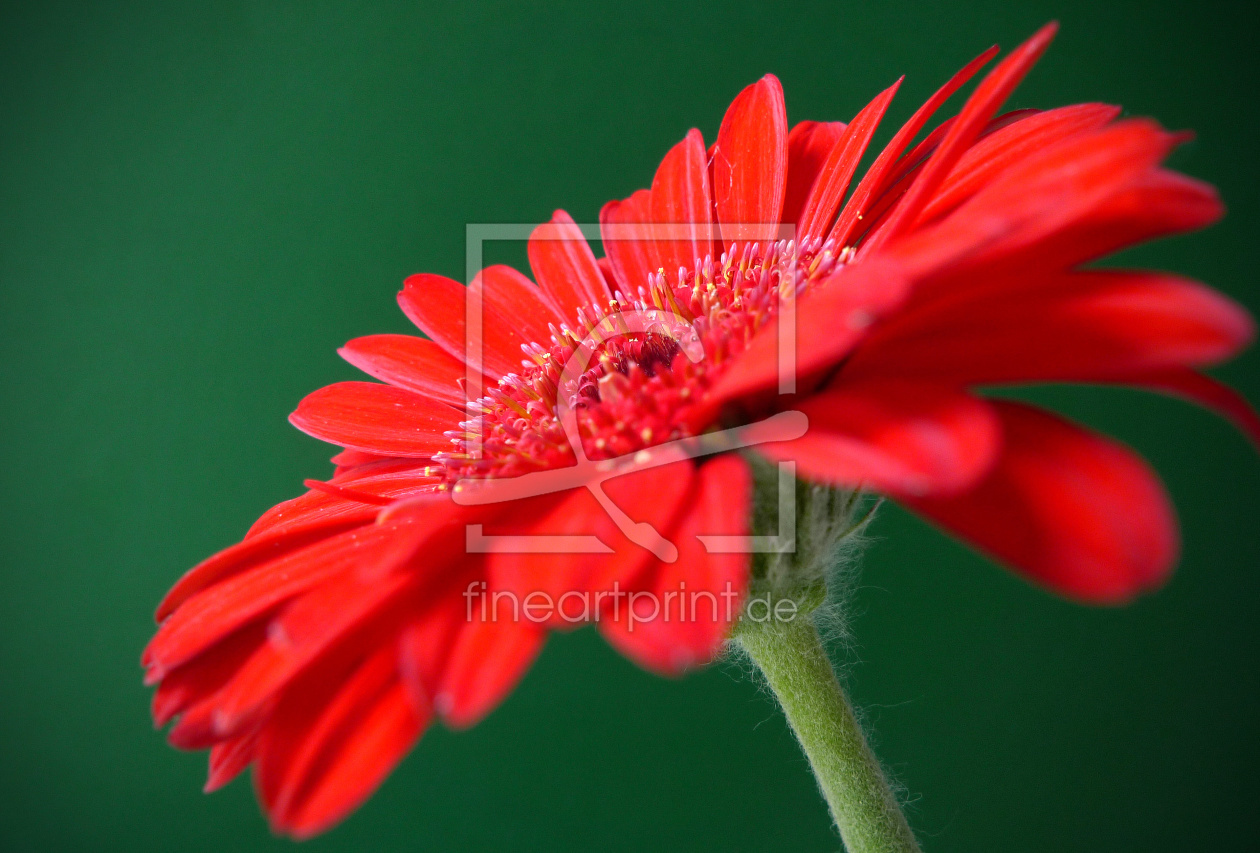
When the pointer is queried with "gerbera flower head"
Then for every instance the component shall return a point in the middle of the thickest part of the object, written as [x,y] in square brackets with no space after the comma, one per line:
[626,399]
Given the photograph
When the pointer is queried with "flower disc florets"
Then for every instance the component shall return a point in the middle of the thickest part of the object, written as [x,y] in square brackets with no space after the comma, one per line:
[632,369]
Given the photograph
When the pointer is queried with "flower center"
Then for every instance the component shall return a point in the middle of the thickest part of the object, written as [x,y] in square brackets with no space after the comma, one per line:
[648,352]
[631,370]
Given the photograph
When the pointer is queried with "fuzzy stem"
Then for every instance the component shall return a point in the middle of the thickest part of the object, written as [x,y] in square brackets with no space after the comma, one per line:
[792,657]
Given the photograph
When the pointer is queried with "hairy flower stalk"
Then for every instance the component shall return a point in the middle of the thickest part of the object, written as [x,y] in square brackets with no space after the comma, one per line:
[792,658]
[811,571]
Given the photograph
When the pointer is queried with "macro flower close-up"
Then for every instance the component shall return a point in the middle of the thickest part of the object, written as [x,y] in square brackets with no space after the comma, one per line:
[677,421]
[321,647]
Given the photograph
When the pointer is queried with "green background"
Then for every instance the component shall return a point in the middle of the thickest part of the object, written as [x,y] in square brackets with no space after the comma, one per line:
[199,203]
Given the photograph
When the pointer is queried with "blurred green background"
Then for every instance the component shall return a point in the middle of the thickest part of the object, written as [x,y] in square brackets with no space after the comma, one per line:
[199,202]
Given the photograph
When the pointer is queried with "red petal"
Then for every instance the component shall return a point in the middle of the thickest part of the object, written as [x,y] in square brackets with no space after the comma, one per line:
[271,579]
[195,728]
[307,629]
[564,266]
[873,181]
[408,362]
[1059,187]
[392,478]
[212,614]
[486,663]
[700,594]
[254,552]
[649,496]
[750,163]
[833,178]
[513,296]
[202,676]
[350,611]
[631,249]
[228,758]
[980,107]
[890,187]
[424,645]
[349,460]
[1072,327]
[900,438]
[285,731]
[680,194]
[1203,390]
[1156,204]
[884,196]
[610,277]
[439,306]
[383,735]
[1009,146]
[377,419]
[339,750]
[809,143]
[1069,509]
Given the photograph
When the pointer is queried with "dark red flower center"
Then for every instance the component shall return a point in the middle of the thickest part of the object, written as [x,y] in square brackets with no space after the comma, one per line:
[633,369]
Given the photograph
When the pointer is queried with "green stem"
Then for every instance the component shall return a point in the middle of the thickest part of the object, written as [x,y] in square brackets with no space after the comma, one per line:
[792,657]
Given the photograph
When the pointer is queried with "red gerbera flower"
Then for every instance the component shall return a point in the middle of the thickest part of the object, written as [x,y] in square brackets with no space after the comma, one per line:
[320,647]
